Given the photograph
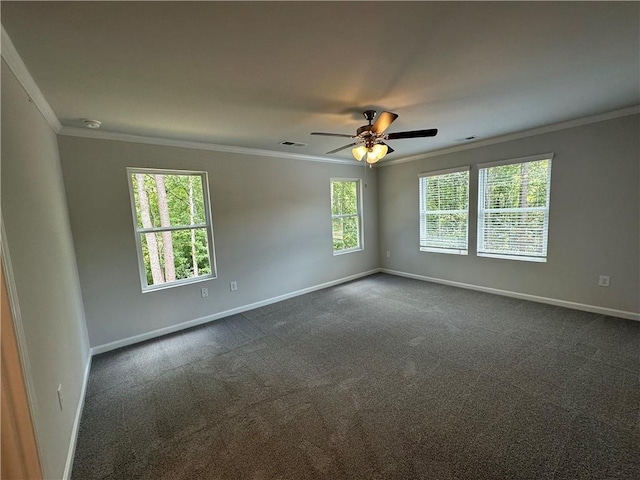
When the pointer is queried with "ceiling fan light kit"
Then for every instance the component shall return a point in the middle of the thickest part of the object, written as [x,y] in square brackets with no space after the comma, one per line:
[373,153]
[369,139]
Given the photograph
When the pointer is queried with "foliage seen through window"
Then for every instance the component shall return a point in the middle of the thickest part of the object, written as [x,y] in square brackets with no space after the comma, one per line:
[345,214]
[172,225]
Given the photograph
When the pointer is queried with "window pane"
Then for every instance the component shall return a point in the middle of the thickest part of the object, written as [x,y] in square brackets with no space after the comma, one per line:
[447,230]
[344,199]
[515,233]
[444,205]
[168,200]
[346,233]
[345,214]
[176,255]
[518,185]
[513,209]
[447,192]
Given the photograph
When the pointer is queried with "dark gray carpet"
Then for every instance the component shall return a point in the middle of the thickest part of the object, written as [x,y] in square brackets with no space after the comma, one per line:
[381,378]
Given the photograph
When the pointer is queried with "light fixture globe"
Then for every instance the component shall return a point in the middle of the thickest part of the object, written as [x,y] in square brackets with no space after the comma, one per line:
[359,152]
[376,152]
[380,149]
[372,157]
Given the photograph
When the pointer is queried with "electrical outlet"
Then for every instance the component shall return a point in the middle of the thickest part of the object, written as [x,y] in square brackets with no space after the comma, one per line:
[233,286]
[60,396]
[603,280]
[388,253]
[204,292]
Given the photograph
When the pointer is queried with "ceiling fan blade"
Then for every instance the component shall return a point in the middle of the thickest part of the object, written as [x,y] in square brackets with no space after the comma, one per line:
[342,148]
[413,134]
[333,134]
[389,149]
[383,121]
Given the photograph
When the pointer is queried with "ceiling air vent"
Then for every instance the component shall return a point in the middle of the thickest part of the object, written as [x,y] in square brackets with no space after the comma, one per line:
[292,144]
[466,139]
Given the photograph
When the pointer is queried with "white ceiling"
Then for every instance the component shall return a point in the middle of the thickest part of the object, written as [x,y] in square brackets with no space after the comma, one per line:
[253,74]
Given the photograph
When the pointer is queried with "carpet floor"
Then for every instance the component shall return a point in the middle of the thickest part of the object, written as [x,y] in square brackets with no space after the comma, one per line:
[381,378]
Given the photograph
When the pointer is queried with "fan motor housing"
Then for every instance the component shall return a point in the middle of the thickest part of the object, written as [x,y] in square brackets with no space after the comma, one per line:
[363,129]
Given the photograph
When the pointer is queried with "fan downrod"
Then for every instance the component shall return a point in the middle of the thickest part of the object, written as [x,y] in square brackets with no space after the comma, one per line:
[369,115]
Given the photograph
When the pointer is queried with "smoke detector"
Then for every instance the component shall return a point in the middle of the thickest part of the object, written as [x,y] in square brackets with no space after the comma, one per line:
[94,124]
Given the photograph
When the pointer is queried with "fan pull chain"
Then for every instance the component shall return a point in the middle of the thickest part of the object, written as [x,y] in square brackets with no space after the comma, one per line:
[365,174]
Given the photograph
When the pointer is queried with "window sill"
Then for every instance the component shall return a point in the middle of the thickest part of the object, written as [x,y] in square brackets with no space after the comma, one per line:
[349,250]
[444,250]
[178,283]
[514,257]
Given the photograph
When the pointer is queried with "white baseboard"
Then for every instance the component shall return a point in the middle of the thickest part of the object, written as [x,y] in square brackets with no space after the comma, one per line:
[524,296]
[76,423]
[209,318]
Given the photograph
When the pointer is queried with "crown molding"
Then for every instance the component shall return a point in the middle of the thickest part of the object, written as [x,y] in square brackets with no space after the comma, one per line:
[20,70]
[166,142]
[518,135]
[148,140]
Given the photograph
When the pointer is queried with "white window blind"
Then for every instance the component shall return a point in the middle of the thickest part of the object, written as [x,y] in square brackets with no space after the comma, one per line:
[444,211]
[513,209]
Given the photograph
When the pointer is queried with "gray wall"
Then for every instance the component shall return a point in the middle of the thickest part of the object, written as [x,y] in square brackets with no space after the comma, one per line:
[272,230]
[593,226]
[44,266]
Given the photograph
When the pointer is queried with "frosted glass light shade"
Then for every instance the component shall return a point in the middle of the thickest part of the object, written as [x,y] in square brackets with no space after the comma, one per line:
[359,152]
[372,157]
[376,153]
[380,150]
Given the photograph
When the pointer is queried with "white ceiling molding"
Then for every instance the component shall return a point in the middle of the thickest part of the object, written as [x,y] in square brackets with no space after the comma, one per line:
[17,66]
[125,137]
[517,135]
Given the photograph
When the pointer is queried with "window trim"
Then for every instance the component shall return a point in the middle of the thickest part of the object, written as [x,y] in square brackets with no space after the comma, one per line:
[360,214]
[138,231]
[437,173]
[510,161]
[481,210]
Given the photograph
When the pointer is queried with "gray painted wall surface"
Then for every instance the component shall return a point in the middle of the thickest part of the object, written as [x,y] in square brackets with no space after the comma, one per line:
[594,219]
[272,229]
[44,267]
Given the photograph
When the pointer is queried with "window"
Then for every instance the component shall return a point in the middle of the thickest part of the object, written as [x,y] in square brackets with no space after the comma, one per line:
[444,211]
[346,216]
[513,208]
[172,222]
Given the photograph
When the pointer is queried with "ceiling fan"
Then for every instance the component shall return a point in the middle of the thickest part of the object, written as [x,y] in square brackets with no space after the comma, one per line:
[370,139]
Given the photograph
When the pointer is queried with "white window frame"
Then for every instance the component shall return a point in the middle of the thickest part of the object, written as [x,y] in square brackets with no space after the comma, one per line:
[359,215]
[480,250]
[423,212]
[138,231]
